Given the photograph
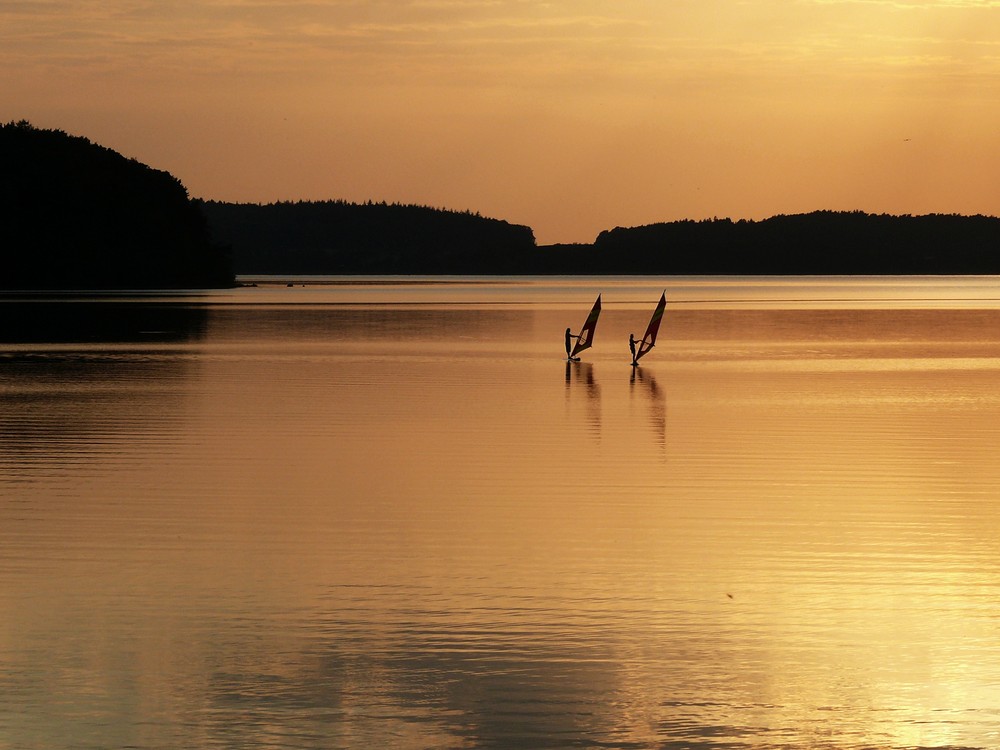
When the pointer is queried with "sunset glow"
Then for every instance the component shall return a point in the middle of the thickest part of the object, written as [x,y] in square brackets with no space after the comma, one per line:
[570,117]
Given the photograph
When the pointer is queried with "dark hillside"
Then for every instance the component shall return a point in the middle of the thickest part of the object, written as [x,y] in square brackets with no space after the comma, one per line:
[336,237]
[823,242]
[76,215]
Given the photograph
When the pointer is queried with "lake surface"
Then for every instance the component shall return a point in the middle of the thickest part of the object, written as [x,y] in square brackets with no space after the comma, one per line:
[388,513]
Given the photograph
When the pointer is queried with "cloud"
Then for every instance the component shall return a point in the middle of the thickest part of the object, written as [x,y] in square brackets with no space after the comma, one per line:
[300,37]
[912,4]
[555,51]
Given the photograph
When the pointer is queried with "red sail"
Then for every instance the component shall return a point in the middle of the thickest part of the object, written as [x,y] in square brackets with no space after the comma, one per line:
[586,339]
[649,337]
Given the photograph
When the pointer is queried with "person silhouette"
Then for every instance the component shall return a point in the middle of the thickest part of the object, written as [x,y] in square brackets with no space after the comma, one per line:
[569,348]
[631,345]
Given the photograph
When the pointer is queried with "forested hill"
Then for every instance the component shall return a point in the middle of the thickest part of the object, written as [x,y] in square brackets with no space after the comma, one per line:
[334,237]
[75,215]
[824,242]
[337,237]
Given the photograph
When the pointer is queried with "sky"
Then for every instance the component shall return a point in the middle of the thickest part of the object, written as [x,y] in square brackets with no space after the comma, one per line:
[569,116]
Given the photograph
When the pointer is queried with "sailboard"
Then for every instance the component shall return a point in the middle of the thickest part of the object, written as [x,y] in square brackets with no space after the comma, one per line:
[649,337]
[586,339]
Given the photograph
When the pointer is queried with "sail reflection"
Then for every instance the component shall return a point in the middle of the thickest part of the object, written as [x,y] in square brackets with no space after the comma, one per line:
[580,378]
[646,384]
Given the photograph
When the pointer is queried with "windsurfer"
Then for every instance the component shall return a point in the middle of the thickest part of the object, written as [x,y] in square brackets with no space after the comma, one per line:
[631,345]
[569,347]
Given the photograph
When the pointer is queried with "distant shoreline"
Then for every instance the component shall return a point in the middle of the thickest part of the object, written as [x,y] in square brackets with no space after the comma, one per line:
[87,218]
[337,238]
[247,281]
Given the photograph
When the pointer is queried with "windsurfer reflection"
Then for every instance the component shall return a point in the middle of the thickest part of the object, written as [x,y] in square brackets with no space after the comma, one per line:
[569,342]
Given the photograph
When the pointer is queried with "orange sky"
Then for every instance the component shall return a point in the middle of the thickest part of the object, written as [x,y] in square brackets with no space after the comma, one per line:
[570,116]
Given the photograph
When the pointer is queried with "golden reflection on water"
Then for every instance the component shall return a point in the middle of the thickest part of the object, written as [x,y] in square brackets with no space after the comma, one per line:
[318,525]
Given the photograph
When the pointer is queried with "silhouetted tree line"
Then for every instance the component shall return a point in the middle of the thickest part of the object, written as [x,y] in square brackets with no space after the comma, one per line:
[337,237]
[823,242]
[76,215]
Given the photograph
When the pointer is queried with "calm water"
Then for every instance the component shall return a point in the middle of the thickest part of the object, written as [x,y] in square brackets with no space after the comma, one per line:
[391,515]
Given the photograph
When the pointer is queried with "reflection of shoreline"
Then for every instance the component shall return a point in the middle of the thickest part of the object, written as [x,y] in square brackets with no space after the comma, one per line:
[657,401]
[581,374]
[80,321]
[77,404]
[68,362]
